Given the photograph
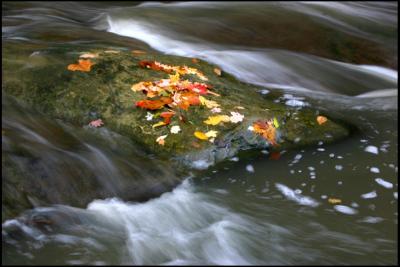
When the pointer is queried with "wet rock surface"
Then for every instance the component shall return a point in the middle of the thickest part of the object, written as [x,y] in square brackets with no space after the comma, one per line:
[75,98]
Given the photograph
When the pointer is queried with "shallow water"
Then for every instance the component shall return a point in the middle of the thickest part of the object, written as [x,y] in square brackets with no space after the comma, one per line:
[254,210]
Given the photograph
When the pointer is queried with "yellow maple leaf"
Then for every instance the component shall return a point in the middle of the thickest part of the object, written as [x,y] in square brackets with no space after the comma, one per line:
[215,120]
[158,124]
[200,135]
[208,103]
[174,78]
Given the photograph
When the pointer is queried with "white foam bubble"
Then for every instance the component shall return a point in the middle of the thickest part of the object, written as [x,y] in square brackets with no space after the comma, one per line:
[374,170]
[384,183]
[371,149]
[369,195]
[250,168]
[234,159]
[345,209]
[339,167]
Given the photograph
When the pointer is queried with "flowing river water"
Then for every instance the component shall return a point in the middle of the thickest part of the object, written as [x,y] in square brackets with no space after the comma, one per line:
[249,210]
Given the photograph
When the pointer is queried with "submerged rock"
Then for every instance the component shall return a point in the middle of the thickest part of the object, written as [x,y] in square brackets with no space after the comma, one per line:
[105,93]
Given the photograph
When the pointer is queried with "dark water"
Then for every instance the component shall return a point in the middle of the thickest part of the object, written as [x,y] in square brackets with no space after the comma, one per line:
[340,58]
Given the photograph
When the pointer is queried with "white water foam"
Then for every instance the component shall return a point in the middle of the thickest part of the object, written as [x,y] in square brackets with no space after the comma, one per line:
[263,67]
[189,223]
[299,198]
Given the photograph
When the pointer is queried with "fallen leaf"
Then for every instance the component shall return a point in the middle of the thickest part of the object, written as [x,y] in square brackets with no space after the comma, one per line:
[174,79]
[236,117]
[200,135]
[152,65]
[158,124]
[214,120]
[89,55]
[186,99]
[266,129]
[334,200]
[182,70]
[83,65]
[161,139]
[200,88]
[153,104]
[211,133]
[276,123]
[321,119]
[167,116]
[96,123]
[217,71]
[208,103]
[140,86]
[215,110]
[149,116]
[175,129]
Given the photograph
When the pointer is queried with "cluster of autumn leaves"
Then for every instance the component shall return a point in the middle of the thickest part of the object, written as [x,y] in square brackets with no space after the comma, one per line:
[176,93]
[173,94]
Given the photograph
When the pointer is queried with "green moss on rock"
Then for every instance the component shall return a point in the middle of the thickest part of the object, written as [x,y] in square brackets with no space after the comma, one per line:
[104,92]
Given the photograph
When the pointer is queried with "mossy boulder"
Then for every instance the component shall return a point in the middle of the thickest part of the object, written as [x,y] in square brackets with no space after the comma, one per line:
[104,92]
[43,82]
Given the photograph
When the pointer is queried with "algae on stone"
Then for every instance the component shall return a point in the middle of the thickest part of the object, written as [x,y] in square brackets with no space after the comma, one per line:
[105,93]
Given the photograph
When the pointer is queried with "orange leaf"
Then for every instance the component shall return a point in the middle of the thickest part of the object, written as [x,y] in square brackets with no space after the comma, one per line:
[191,98]
[83,65]
[267,130]
[161,139]
[195,60]
[187,99]
[154,104]
[152,65]
[167,116]
[321,119]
